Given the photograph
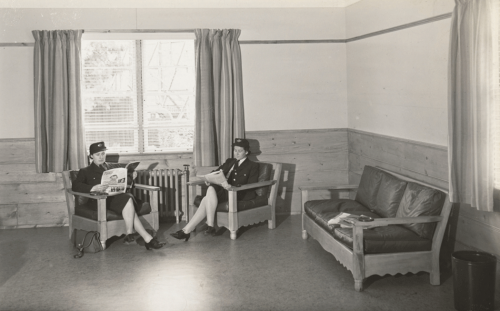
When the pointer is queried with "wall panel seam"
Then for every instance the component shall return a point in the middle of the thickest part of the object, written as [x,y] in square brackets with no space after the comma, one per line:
[313,41]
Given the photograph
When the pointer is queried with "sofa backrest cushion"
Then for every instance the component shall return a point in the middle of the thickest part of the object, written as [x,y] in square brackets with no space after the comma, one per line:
[368,187]
[419,200]
[389,195]
[380,191]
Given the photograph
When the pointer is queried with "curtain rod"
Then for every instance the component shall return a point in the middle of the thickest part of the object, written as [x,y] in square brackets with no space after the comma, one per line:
[138,30]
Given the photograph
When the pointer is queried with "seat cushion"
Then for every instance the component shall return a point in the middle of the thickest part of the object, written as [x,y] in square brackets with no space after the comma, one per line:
[90,212]
[258,201]
[419,200]
[321,211]
[388,239]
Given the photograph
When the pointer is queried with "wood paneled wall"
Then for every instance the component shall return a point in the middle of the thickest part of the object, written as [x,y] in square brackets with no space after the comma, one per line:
[308,156]
[28,199]
[469,229]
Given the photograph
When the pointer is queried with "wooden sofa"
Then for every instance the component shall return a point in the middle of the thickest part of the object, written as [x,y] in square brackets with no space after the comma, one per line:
[409,223]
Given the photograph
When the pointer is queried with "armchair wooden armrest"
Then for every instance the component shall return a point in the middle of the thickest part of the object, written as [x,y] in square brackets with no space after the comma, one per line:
[196,182]
[253,185]
[380,222]
[86,195]
[147,187]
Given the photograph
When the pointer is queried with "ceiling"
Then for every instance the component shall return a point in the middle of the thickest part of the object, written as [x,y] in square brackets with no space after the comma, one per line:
[175,3]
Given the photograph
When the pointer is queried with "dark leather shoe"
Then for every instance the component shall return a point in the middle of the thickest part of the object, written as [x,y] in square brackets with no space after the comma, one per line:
[210,231]
[128,239]
[154,244]
[181,235]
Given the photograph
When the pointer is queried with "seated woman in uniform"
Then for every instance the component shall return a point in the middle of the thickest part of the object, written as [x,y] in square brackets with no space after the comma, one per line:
[89,180]
[238,171]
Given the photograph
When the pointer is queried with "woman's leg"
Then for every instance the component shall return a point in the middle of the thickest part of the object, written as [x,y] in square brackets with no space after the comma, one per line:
[132,221]
[206,209]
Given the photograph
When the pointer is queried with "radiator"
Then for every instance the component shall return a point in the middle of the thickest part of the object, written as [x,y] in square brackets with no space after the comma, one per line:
[171,199]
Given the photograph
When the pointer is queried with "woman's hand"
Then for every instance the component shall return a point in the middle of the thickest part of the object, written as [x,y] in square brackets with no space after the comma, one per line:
[134,175]
[207,183]
[225,185]
[99,188]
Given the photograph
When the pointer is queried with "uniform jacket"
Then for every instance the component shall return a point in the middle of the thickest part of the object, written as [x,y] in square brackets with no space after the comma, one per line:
[246,173]
[91,175]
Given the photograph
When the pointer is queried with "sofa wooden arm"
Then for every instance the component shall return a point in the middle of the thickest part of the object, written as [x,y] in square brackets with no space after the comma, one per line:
[147,187]
[380,222]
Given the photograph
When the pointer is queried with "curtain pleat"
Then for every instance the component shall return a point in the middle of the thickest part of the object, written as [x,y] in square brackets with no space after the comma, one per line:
[470,156]
[219,95]
[59,139]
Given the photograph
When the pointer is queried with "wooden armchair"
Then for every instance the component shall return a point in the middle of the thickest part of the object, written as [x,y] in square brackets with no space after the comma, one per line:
[235,214]
[106,222]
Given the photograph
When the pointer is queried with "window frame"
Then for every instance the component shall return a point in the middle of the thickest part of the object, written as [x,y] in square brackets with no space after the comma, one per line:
[138,37]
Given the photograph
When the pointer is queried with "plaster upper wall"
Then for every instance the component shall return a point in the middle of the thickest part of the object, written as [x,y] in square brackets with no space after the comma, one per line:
[256,24]
[286,86]
[397,81]
[368,16]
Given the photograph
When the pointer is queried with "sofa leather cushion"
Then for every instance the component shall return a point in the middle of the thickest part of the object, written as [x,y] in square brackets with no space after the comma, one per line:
[387,239]
[91,213]
[390,192]
[419,200]
[321,211]
[368,187]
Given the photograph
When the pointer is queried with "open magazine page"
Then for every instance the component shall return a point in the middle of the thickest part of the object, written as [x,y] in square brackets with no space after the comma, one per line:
[216,177]
[116,180]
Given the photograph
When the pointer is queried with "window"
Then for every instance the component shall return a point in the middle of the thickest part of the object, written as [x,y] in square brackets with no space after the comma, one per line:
[496,106]
[138,94]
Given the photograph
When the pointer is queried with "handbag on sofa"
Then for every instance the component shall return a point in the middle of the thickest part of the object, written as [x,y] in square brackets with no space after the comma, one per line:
[90,242]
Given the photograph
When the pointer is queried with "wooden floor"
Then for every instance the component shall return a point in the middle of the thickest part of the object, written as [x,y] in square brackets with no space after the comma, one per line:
[261,270]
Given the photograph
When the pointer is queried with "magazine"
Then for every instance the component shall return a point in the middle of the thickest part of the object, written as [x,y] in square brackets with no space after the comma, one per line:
[343,219]
[116,178]
[216,177]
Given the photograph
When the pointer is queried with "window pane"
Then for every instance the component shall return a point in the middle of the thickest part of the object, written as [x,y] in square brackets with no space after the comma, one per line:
[169,139]
[168,94]
[110,95]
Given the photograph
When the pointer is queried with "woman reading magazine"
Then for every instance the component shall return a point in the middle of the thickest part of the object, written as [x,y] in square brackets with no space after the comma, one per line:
[88,180]
[238,171]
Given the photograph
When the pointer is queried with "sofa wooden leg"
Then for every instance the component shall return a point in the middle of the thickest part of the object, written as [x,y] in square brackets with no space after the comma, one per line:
[304,234]
[435,277]
[233,234]
[358,285]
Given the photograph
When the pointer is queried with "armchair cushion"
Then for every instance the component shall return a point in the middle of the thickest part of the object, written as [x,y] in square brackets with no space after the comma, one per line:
[388,239]
[419,200]
[89,212]
[265,170]
[258,201]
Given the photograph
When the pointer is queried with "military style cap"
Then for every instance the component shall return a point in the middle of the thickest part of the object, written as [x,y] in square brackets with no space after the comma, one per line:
[241,142]
[97,147]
